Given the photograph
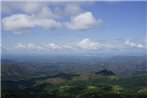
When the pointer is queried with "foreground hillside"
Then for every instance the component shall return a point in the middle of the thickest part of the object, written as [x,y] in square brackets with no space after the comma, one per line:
[74,78]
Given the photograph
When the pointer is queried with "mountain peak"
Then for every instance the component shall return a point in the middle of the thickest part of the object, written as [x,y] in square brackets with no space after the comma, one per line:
[105,73]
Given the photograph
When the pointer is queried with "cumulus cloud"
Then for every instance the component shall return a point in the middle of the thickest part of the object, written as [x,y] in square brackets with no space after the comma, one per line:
[46,12]
[27,6]
[20,45]
[28,46]
[131,44]
[18,22]
[24,16]
[68,47]
[97,45]
[34,7]
[87,44]
[31,7]
[83,21]
[72,9]
[53,46]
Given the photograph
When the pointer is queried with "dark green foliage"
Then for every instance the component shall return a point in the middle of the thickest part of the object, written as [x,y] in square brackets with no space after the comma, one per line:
[105,73]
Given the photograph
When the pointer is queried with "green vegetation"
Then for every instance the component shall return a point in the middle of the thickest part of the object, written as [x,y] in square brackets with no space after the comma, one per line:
[80,81]
[95,86]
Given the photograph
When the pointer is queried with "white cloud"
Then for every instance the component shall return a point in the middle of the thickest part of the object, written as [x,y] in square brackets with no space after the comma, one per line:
[46,12]
[28,46]
[146,39]
[32,46]
[16,22]
[72,9]
[20,45]
[68,47]
[53,46]
[32,7]
[19,22]
[131,44]
[23,16]
[83,21]
[25,6]
[87,44]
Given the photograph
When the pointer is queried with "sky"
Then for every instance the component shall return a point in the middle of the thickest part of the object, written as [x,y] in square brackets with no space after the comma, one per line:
[87,27]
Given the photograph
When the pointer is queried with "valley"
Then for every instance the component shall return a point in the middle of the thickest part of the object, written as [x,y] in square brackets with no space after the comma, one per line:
[75,77]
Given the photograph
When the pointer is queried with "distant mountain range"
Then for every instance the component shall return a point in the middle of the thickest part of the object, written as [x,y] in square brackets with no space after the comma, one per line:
[120,65]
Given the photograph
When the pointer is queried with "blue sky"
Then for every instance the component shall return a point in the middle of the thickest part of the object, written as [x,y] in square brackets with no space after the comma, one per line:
[74,27]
